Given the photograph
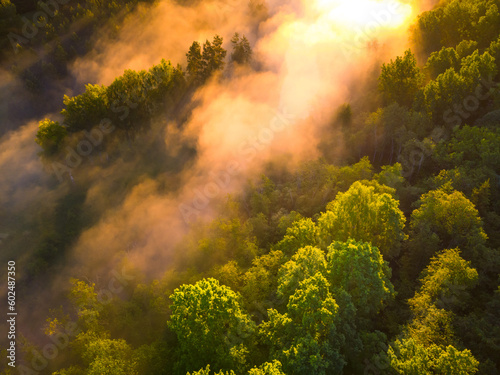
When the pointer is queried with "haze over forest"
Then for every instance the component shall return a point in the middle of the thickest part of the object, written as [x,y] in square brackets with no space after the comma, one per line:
[251,186]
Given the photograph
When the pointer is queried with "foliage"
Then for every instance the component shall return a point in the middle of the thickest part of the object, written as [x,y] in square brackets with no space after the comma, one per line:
[303,232]
[50,136]
[305,339]
[359,269]
[109,357]
[451,89]
[400,80]
[130,101]
[304,264]
[455,21]
[446,283]
[410,358]
[242,52]
[261,279]
[210,325]
[366,212]
[268,368]
[445,219]
[203,62]
[85,110]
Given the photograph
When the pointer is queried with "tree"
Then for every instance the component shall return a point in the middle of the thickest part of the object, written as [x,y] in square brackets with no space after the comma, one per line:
[210,325]
[409,358]
[454,21]
[425,34]
[261,281]
[305,263]
[127,96]
[213,56]
[444,98]
[364,213]
[242,52]
[440,62]
[391,127]
[305,338]
[227,238]
[109,357]
[445,281]
[445,219]
[229,274]
[202,63]
[359,269]
[466,48]
[400,80]
[344,115]
[194,61]
[472,147]
[86,110]
[391,175]
[99,353]
[444,290]
[50,136]
[267,368]
[84,298]
[303,232]
[206,371]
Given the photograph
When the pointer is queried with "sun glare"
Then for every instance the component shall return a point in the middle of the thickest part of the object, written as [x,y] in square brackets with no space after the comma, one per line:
[372,14]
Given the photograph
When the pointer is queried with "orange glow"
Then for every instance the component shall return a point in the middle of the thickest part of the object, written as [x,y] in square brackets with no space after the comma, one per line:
[365,13]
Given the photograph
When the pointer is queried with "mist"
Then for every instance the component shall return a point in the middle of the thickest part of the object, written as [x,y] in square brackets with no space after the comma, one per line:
[306,63]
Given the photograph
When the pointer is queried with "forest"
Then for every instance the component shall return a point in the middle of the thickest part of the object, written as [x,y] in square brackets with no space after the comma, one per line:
[355,231]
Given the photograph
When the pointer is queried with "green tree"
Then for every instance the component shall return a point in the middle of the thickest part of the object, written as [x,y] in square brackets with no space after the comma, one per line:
[303,232]
[445,219]
[409,358]
[444,97]
[84,298]
[126,97]
[445,286]
[109,357]
[400,80]
[226,238]
[344,115]
[466,48]
[206,371]
[213,56]
[445,281]
[364,213]
[440,62]
[425,34]
[305,338]
[472,147]
[391,128]
[203,62]
[261,281]
[304,264]
[359,269]
[86,110]
[50,136]
[268,368]
[210,325]
[194,61]
[242,52]
[454,21]
[229,274]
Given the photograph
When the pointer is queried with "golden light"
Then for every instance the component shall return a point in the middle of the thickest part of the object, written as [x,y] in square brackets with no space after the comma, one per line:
[372,14]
